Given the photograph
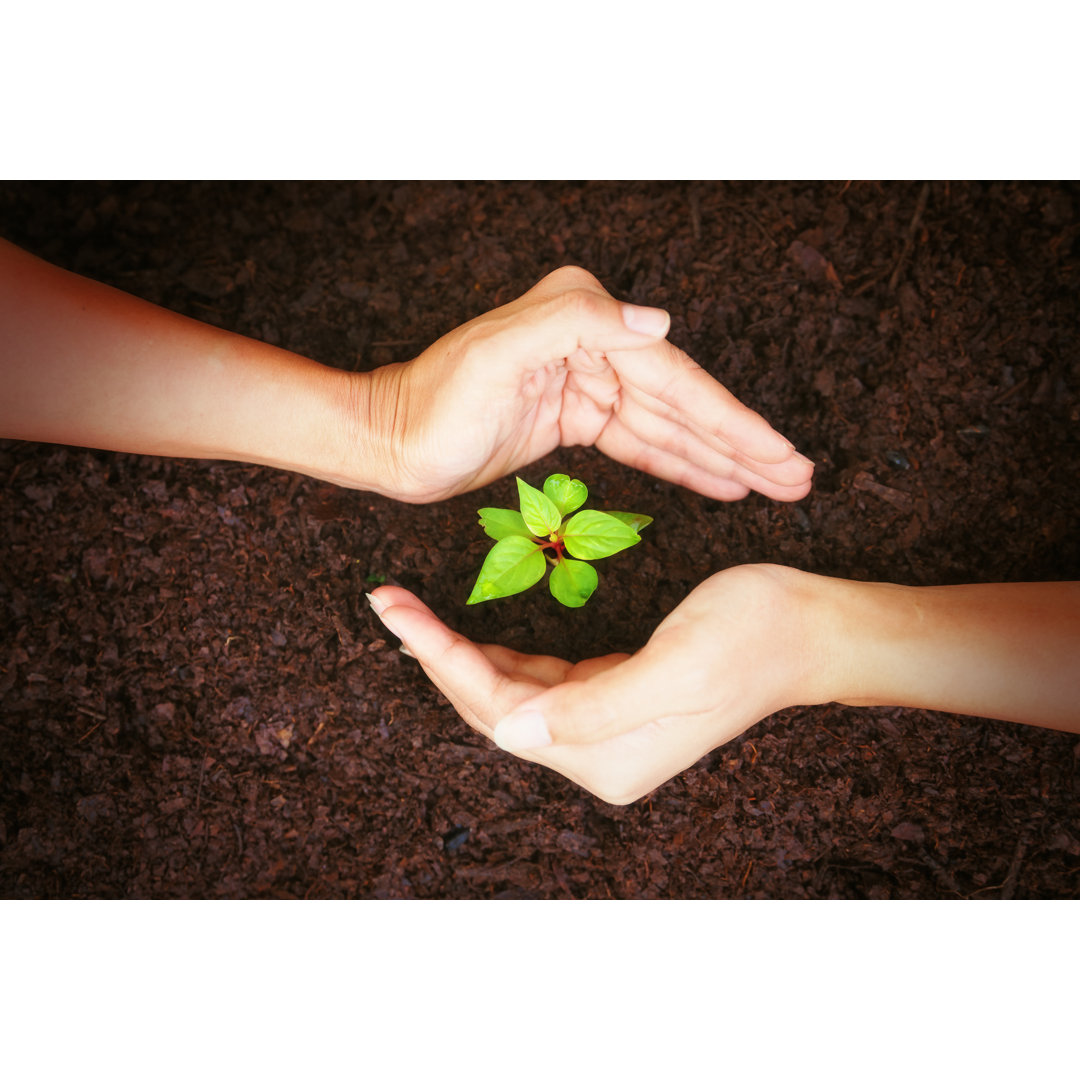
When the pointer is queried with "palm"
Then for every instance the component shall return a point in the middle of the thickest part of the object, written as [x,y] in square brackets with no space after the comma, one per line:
[472,433]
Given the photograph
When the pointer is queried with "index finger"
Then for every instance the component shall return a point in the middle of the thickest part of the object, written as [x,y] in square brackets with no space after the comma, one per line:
[465,674]
[669,375]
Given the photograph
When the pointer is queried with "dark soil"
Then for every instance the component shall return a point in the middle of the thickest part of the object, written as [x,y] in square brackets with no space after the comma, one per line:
[197,702]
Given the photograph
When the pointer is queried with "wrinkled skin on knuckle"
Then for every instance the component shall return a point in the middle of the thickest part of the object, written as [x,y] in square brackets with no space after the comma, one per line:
[457,646]
[577,305]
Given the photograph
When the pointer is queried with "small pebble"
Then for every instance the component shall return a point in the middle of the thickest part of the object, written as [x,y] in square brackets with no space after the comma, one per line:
[453,839]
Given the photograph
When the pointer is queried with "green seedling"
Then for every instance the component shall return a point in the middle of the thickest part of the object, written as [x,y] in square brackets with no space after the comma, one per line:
[547,530]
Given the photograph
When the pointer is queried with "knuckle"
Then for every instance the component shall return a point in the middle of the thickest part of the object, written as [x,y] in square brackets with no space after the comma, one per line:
[580,304]
[571,277]
[452,652]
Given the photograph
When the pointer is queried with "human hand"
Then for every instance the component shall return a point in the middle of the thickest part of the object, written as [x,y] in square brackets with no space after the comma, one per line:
[567,365]
[734,651]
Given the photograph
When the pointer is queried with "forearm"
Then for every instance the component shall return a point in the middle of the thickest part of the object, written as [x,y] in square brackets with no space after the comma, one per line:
[85,364]
[1006,651]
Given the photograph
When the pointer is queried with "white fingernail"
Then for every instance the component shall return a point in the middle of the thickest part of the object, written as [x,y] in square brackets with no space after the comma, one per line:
[645,320]
[404,650]
[380,609]
[522,731]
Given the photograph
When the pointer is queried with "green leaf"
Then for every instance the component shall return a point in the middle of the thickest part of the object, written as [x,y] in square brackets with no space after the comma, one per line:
[540,513]
[592,534]
[499,524]
[637,522]
[566,494]
[511,566]
[573,582]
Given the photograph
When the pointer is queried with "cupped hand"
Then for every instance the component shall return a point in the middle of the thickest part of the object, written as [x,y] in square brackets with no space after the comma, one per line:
[568,365]
[735,650]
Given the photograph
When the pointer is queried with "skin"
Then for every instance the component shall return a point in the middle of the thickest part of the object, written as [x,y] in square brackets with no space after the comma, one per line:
[564,364]
[85,364]
[744,644]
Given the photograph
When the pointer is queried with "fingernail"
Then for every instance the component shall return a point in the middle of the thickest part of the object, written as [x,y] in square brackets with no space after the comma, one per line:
[379,607]
[645,320]
[522,731]
[803,457]
[404,650]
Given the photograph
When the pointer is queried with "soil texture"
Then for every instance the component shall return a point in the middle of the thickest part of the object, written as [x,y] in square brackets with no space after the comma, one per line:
[196,701]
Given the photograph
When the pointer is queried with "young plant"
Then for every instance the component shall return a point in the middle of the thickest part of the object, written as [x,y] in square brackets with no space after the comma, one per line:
[546,530]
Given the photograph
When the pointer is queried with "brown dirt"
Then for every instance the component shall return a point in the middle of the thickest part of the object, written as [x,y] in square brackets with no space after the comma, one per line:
[196,701]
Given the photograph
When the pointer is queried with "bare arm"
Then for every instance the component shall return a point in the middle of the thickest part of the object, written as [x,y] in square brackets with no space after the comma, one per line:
[566,363]
[1007,651]
[89,365]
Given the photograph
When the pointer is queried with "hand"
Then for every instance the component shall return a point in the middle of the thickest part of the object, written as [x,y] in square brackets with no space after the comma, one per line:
[568,365]
[734,651]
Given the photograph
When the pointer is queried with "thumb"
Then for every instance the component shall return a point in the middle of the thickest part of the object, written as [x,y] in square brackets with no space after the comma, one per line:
[591,710]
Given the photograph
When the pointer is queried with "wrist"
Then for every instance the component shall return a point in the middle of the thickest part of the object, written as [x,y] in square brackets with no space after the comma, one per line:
[883,645]
[351,458]
[811,633]
[777,621]
[342,439]
[371,420]
[839,627]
